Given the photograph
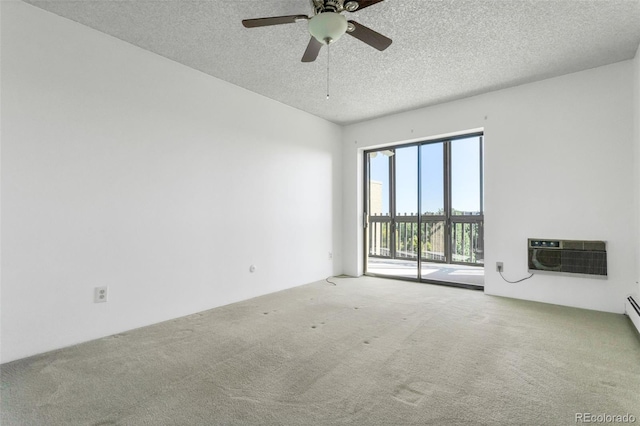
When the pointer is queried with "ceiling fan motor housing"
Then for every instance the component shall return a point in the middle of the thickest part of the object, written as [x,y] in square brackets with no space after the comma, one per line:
[327,6]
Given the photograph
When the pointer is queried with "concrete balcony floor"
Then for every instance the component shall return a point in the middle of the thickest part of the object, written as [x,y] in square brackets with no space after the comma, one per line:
[444,272]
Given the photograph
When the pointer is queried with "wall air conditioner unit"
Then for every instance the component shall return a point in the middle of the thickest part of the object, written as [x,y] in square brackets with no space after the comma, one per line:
[574,257]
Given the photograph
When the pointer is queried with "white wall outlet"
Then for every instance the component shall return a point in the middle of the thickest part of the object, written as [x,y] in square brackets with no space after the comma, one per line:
[330,255]
[100,294]
[499,267]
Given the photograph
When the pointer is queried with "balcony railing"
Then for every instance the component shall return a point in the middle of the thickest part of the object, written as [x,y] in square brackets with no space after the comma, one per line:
[466,238]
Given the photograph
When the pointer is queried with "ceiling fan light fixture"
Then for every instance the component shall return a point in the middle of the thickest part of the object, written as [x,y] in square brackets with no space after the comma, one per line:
[327,27]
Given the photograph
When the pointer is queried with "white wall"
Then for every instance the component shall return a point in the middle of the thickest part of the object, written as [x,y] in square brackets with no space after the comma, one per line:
[558,164]
[636,119]
[123,168]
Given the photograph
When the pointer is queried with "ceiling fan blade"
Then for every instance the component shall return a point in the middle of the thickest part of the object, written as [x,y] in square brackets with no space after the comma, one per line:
[313,48]
[367,35]
[276,20]
[366,3]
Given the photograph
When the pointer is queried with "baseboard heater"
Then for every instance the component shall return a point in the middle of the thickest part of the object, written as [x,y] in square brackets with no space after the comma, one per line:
[633,311]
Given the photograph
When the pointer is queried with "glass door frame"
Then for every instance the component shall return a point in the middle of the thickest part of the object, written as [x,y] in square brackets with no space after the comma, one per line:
[450,220]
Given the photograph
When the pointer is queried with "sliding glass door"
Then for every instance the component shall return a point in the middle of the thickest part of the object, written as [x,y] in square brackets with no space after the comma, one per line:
[424,211]
[392,209]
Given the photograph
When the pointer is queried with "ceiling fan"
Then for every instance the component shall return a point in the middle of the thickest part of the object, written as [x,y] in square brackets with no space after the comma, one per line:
[328,24]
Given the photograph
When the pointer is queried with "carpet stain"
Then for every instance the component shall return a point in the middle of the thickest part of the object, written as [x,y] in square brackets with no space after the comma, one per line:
[246,398]
[183,333]
[408,394]
[117,336]
[477,317]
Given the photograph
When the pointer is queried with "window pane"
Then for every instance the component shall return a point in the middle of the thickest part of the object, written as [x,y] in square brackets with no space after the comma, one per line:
[433,232]
[467,242]
[378,184]
[407,181]
[432,179]
[465,176]
[379,238]
[406,161]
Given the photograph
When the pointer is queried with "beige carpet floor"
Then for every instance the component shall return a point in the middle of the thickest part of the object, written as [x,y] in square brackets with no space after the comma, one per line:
[366,351]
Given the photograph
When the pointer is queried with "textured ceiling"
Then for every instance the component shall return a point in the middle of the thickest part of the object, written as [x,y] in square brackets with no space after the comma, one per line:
[442,50]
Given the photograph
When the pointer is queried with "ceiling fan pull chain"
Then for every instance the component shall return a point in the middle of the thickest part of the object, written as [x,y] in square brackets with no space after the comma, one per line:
[328,50]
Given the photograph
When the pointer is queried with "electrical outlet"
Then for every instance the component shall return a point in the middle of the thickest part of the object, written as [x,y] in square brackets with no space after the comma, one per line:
[100,294]
[499,267]
[330,255]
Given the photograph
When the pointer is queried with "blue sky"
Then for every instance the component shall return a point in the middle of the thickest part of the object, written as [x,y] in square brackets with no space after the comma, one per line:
[465,173]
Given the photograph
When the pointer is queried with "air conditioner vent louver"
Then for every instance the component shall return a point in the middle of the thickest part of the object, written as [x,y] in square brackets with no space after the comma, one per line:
[572,245]
[595,246]
[588,258]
